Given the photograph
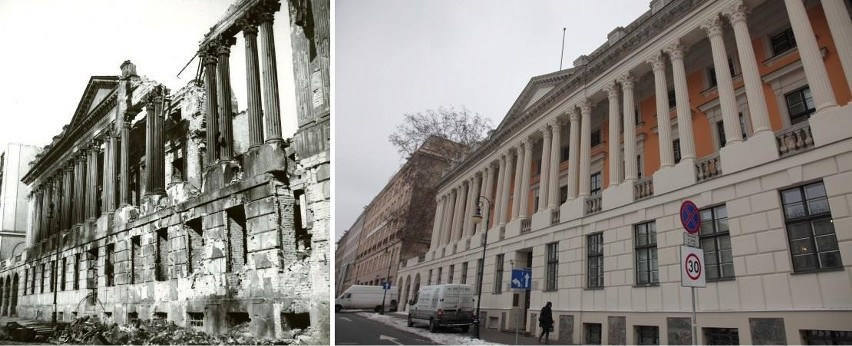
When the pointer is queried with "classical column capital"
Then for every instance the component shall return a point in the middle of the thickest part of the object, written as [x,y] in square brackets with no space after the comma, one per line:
[223,45]
[626,81]
[524,142]
[657,61]
[676,50]
[713,25]
[545,131]
[554,123]
[611,89]
[585,106]
[266,16]
[738,13]
[248,24]
[207,56]
[573,115]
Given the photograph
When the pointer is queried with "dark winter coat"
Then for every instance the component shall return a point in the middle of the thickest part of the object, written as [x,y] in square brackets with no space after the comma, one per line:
[545,320]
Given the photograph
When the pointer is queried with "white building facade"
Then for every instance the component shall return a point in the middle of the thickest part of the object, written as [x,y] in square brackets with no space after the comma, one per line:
[583,183]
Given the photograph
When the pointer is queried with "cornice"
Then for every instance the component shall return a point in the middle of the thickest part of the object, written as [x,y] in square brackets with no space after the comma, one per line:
[598,62]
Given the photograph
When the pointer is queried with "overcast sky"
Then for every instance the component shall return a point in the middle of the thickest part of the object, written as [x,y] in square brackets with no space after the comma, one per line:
[396,57]
[52,48]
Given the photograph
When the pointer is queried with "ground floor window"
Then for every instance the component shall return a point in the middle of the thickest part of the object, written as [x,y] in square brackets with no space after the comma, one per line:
[826,337]
[593,333]
[647,335]
[721,336]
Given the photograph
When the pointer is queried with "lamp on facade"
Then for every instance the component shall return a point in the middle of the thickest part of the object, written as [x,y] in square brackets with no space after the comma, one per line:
[477,218]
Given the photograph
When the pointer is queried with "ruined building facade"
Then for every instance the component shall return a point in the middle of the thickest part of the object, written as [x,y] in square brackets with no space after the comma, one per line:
[150,205]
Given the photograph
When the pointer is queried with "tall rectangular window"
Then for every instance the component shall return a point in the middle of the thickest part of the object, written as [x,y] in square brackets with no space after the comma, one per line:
[136,259]
[237,242]
[647,335]
[450,274]
[715,240]
[43,276]
[810,229]
[535,198]
[195,245]
[429,278]
[26,279]
[639,166]
[464,274]
[645,235]
[109,265]
[564,155]
[596,137]
[672,98]
[162,265]
[480,265]
[440,273]
[676,150]
[33,278]
[76,275]
[800,105]
[62,273]
[552,270]
[783,41]
[498,274]
[563,194]
[593,333]
[596,182]
[594,259]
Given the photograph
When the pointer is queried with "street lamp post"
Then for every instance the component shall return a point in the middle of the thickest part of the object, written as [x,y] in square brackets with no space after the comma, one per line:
[387,282]
[477,218]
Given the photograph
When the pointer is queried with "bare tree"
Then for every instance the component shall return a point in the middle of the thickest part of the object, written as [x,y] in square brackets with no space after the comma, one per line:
[461,126]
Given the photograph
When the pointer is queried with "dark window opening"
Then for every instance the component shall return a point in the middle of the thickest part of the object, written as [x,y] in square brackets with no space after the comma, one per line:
[721,336]
[552,269]
[676,150]
[712,72]
[293,320]
[827,337]
[563,194]
[237,240]
[593,333]
[136,259]
[451,273]
[498,274]
[162,259]
[195,319]
[783,41]
[594,260]
[76,274]
[672,98]
[43,276]
[300,221]
[564,155]
[195,245]
[161,315]
[596,137]
[237,318]
[132,317]
[647,335]
[62,273]
[800,105]
[464,274]
[109,265]
[810,228]
[596,182]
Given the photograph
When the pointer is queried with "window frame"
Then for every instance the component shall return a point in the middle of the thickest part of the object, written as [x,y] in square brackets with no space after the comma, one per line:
[717,236]
[651,260]
[809,219]
[594,254]
[806,114]
[596,184]
[551,278]
[497,287]
[789,38]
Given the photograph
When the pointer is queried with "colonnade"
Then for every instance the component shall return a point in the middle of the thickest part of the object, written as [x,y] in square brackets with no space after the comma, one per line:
[515,154]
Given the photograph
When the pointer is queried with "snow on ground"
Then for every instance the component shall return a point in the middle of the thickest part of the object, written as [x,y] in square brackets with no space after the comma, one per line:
[441,338]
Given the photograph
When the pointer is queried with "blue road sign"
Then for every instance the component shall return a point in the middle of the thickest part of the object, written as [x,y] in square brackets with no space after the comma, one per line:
[690,218]
[521,279]
[386,285]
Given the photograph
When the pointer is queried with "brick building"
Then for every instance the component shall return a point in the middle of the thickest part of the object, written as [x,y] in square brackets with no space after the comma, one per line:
[149,204]
[742,107]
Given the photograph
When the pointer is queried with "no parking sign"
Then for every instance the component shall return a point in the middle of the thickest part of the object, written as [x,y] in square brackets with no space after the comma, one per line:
[692,267]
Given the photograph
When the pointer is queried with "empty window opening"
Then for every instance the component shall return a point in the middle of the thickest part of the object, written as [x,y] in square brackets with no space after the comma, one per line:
[294,320]
[195,319]
[300,221]
[62,273]
[237,318]
[76,274]
[195,244]
[132,317]
[135,259]
[161,315]
[237,242]
[109,265]
[162,259]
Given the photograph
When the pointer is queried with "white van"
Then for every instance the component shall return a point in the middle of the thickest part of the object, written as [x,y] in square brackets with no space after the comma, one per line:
[448,305]
[367,297]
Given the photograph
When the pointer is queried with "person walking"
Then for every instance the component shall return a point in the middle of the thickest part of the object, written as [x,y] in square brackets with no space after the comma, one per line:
[545,321]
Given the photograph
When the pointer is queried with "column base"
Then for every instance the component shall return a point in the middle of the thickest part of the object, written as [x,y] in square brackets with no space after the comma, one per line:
[831,125]
[757,150]
[270,157]
[572,209]
[219,175]
[617,195]
[673,178]
[541,219]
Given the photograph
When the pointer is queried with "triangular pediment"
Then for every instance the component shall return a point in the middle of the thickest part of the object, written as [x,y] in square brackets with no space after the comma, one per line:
[97,90]
[535,90]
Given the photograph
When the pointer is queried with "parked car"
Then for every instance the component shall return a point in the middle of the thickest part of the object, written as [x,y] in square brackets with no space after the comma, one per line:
[367,297]
[449,305]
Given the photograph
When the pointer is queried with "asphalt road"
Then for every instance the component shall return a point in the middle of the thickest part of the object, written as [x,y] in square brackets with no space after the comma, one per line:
[351,329]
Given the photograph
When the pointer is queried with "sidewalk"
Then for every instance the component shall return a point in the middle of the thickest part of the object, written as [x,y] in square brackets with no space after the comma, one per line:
[492,335]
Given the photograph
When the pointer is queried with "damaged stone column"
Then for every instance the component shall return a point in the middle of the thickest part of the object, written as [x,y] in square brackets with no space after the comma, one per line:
[154,154]
[109,171]
[270,75]
[223,86]
[124,173]
[67,193]
[80,183]
[255,113]
[211,105]
[92,180]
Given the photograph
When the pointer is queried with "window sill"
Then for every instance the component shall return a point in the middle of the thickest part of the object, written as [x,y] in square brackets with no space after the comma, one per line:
[815,271]
[594,288]
[655,284]
[727,278]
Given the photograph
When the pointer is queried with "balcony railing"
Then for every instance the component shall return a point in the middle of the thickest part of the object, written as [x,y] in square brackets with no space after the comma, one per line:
[794,139]
[593,204]
[708,167]
[554,217]
[525,226]
[643,188]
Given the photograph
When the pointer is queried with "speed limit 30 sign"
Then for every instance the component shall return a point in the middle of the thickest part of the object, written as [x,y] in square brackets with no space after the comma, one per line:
[692,267]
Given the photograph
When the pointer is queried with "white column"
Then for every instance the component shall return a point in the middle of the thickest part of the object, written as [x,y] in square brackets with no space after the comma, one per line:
[516,192]
[555,159]
[448,224]
[471,205]
[525,179]
[461,194]
[751,75]
[436,224]
[498,196]
[841,31]
[504,196]
[585,147]
[487,188]
[664,124]
[614,130]
[815,72]
[544,176]
[573,152]
[725,85]
[684,115]
[630,173]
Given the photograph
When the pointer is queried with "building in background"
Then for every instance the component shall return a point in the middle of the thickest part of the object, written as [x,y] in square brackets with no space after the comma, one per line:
[742,107]
[153,204]
[345,255]
[14,163]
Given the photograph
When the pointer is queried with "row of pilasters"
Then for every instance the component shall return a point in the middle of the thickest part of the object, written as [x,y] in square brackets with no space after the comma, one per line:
[621,90]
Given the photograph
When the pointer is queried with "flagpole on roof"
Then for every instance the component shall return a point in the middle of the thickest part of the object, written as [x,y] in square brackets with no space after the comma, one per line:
[562,52]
